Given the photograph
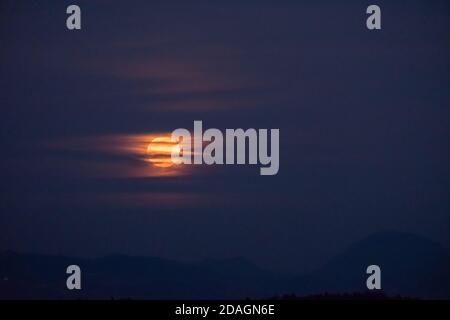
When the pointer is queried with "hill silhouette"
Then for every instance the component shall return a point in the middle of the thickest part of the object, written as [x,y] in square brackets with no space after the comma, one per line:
[411,266]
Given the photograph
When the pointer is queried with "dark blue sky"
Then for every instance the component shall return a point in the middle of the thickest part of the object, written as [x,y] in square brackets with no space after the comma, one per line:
[364,119]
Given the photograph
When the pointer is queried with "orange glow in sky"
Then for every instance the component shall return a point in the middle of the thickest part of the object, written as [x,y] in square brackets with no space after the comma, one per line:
[160,150]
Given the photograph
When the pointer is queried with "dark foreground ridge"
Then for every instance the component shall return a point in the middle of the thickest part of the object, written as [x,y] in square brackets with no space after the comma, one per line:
[411,267]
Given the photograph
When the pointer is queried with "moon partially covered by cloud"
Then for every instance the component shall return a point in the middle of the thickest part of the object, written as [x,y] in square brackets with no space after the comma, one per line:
[125,155]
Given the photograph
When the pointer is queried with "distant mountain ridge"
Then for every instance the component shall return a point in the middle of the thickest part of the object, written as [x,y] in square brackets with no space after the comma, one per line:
[411,266]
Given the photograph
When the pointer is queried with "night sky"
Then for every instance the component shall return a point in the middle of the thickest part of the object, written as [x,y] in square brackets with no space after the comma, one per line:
[364,119]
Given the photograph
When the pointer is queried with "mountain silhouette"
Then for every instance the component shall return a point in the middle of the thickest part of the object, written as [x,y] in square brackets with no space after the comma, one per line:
[411,266]
[32,276]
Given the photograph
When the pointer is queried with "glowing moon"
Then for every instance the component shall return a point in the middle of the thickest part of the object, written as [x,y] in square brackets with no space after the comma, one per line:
[160,151]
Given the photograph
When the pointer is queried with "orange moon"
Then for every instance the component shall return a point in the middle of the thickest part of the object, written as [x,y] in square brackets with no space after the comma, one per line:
[160,152]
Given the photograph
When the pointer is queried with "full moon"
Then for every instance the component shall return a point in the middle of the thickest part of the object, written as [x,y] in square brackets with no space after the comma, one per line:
[160,150]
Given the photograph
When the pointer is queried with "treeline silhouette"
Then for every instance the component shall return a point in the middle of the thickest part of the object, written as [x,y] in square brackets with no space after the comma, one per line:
[343,296]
